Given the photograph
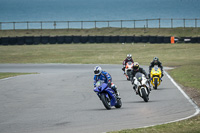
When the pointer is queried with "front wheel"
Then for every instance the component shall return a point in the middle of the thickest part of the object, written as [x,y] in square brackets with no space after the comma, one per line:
[106,101]
[155,83]
[144,95]
[129,75]
[118,104]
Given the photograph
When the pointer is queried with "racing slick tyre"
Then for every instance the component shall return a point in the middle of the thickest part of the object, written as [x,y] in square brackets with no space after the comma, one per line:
[119,103]
[144,95]
[106,101]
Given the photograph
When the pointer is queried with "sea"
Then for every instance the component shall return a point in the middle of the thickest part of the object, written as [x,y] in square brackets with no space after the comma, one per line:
[98,10]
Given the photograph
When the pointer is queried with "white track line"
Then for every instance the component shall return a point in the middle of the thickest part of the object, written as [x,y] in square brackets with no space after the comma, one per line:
[186,96]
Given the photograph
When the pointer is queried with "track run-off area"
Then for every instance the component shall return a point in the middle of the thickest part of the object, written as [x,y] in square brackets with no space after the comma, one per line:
[60,98]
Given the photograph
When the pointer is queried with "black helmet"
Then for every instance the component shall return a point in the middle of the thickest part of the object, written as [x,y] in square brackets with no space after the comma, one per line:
[136,66]
[155,60]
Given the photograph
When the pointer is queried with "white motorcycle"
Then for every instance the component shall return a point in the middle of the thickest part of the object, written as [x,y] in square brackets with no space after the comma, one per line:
[140,81]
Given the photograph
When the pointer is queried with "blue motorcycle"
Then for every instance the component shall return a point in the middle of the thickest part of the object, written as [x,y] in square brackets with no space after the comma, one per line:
[107,96]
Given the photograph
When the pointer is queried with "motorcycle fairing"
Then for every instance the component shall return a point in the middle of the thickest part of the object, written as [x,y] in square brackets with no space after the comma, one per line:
[108,92]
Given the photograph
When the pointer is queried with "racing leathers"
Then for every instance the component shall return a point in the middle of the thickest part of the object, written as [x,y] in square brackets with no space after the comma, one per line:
[106,78]
[141,70]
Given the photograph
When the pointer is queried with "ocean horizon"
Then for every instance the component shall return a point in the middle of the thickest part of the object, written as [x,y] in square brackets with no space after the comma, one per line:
[96,10]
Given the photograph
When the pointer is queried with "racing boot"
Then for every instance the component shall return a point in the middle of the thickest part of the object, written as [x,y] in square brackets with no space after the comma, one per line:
[117,95]
[161,76]
[149,82]
[149,75]
[116,92]
[149,86]
[135,89]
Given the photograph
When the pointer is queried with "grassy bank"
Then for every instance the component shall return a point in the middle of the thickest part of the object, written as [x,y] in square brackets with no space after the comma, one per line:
[178,32]
[185,57]
[187,75]
[6,75]
[170,55]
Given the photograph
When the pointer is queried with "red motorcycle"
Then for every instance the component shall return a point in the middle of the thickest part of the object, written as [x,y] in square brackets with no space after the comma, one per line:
[128,69]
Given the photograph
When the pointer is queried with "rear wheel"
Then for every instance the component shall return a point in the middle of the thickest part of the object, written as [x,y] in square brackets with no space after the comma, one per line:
[106,101]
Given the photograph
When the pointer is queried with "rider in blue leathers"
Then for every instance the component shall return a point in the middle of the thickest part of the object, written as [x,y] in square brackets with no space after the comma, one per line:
[104,76]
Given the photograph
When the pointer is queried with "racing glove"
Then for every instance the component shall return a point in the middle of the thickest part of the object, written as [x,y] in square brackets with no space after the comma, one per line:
[109,84]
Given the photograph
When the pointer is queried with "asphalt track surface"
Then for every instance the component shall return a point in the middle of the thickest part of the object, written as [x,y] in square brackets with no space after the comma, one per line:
[60,99]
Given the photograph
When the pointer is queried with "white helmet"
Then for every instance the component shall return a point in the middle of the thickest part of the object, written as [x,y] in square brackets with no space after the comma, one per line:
[97,70]
[129,56]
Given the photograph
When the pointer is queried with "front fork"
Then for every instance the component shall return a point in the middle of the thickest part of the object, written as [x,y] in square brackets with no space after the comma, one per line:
[158,80]
[98,94]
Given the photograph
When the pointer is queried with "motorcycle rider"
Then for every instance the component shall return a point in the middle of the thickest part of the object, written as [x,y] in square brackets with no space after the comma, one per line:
[137,68]
[128,58]
[156,62]
[99,74]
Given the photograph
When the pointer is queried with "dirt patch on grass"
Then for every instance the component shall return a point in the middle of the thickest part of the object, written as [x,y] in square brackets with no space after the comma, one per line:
[194,94]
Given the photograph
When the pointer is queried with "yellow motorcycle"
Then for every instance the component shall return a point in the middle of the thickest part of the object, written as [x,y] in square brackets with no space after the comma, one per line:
[155,76]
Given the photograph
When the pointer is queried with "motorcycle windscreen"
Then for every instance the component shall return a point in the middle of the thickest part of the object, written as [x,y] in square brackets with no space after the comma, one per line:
[139,76]
[101,88]
[156,68]
[129,63]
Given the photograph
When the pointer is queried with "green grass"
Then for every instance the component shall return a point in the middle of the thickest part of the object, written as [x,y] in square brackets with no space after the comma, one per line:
[169,55]
[186,126]
[7,75]
[178,32]
[188,75]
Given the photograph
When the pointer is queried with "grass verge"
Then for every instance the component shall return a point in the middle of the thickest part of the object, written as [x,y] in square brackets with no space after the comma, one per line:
[188,75]
[169,55]
[7,75]
[186,126]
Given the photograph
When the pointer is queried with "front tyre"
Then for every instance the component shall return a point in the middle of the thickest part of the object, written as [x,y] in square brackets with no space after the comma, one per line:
[144,95]
[155,83]
[129,75]
[118,104]
[106,101]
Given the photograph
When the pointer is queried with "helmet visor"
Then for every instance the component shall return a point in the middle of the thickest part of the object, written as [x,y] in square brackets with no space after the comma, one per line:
[135,67]
[96,72]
